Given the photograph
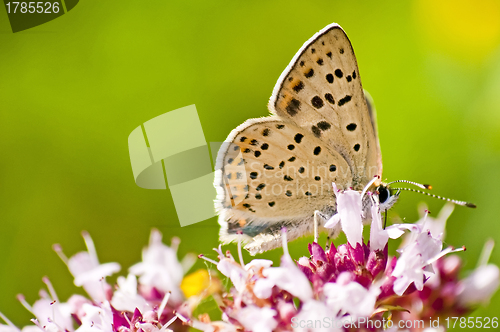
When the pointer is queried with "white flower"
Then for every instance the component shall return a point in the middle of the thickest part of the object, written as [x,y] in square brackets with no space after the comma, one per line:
[346,296]
[316,316]
[257,319]
[76,302]
[96,319]
[349,210]
[378,235]
[54,315]
[126,298]
[233,271]
[50,313]
[482,283]
[10,328]
[287,277]
[435,225]
[256,264]
[214,326]
[415,260]
[85,267]
[160,267]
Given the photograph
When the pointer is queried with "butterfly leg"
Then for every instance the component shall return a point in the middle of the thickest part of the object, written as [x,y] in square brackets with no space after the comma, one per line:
[319,217]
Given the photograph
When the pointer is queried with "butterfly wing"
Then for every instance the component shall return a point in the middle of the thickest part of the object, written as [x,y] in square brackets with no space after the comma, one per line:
[321,92]
[271,174]
[267,167]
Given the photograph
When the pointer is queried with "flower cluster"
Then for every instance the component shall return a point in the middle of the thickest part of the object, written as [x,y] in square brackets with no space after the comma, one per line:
[150,299]
[355,286]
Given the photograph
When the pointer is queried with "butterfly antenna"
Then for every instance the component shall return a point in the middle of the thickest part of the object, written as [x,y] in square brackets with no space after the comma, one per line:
[422,186]
[454,201]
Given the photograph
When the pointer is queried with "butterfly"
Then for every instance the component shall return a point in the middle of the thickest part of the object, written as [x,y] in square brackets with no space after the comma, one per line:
[278,171]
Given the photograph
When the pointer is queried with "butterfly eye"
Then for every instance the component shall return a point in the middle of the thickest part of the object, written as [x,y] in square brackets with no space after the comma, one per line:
[383,194]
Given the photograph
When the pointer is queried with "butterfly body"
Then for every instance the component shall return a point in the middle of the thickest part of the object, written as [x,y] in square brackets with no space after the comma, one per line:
[278,171]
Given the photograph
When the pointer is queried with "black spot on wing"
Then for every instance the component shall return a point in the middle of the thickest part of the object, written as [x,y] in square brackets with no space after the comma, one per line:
[344,100]
[348,78]
[351,126]
[329,97]
[317,150]
[339,73]
[320,62]
[329,78]
[356,147]
[309,74]
[280,126]
[323,125]
[266,132]
[298,137]
[316,131]
[293,107]
[329,54]
[317,102]
[264,146]
[354,74]
[299,86]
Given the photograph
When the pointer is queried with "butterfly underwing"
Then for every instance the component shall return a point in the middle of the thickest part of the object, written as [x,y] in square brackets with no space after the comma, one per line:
[277,171]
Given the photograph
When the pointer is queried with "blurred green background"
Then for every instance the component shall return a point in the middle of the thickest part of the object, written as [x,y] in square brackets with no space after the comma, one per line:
[73,89]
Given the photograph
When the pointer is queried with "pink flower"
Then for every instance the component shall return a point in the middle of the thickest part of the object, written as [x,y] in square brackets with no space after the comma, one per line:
[287,277]
[482,283]
[348,296]
[87,270]
[160,269]
[414,264]
[254,318]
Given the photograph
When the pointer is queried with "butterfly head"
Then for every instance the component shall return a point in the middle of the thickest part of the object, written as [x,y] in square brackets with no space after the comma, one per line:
[386,196]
